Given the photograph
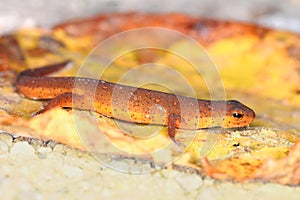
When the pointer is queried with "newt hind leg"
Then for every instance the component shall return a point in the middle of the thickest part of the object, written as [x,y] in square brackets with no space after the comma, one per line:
[66,100]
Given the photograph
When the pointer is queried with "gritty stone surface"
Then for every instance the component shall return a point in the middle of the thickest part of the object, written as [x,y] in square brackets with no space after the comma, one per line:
[59,149]
[43,151]
[22,148]
[3,147]
[6,138]
[65,173]
[189,183]
[260,191]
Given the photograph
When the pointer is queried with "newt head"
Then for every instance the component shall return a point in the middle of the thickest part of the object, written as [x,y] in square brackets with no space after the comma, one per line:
[237,115]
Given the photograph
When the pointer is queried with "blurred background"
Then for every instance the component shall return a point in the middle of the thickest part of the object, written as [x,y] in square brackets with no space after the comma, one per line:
[282,14]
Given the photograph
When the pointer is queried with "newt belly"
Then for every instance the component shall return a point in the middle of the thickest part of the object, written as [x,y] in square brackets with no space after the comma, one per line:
[131,104]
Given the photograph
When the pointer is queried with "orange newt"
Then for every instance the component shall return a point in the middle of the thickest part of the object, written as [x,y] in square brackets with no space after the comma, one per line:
[131,104]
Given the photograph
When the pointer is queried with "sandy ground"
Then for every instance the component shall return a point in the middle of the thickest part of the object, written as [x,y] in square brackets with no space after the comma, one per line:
[28,172]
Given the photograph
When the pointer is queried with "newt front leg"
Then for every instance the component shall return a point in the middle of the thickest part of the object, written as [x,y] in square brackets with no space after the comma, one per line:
[173,122]
[66,100]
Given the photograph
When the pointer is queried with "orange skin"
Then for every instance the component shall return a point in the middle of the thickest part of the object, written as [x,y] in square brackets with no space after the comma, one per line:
[130,103]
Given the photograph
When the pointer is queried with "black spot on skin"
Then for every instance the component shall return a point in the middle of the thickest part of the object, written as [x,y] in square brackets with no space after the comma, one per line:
[236,144]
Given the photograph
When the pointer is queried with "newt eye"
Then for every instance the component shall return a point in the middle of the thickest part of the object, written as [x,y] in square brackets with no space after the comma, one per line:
[237,115]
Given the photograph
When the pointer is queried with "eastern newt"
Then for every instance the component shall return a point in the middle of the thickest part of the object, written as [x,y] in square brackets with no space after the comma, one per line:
[131,104]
